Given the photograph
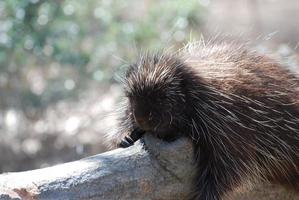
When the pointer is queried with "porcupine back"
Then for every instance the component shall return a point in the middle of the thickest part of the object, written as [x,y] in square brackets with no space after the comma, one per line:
[249,111]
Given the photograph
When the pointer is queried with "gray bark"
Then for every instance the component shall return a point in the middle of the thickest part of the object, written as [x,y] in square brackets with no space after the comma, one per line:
[151,169]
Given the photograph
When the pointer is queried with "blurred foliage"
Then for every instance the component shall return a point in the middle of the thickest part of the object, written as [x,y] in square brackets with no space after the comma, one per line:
[50,50]
[59,60]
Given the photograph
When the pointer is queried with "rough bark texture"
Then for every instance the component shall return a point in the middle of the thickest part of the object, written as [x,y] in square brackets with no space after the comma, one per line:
[138,172]
[149,170]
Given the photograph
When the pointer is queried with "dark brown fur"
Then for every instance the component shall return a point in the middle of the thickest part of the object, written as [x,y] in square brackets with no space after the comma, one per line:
[239,108]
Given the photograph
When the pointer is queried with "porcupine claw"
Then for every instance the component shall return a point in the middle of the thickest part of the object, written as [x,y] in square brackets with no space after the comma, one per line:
[126,142]
[129,140]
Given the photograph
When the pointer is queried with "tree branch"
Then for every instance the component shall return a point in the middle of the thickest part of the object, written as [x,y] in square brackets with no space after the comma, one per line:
[151,169]
[159,171]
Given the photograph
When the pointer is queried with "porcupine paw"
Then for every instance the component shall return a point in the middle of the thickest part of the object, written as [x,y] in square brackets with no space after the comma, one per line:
[126,142]
[130,139]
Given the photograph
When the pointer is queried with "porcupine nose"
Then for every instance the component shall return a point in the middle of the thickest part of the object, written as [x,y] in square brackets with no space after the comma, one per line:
[142,121]
[141,115]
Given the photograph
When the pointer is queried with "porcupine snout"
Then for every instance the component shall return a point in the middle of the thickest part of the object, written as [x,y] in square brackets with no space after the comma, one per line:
[142,117]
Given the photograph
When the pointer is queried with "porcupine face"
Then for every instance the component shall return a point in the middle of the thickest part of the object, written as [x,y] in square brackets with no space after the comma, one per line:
[154,89]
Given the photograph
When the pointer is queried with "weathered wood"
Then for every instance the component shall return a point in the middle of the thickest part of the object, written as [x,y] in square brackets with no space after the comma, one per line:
[159,171]
[151,169]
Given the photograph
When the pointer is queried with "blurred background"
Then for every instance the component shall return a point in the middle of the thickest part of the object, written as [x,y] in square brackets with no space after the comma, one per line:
[60,61]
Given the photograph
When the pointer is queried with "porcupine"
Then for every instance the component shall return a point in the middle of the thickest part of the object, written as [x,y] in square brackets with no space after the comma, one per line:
[239,108]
